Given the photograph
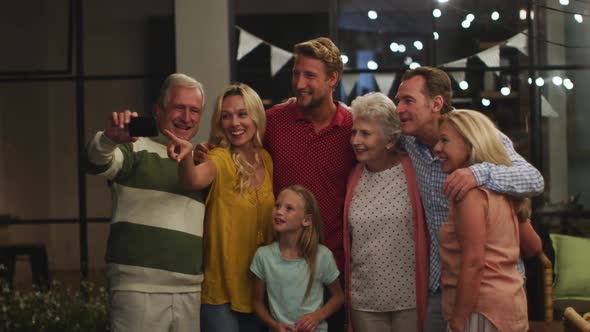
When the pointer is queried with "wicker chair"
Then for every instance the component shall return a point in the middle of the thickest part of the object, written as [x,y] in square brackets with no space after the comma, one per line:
[573,322]
[547,286]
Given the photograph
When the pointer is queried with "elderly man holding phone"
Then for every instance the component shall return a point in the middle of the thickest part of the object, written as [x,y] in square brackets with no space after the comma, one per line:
[154,264]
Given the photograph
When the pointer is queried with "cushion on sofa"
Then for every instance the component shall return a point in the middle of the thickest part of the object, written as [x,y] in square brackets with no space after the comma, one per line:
[572,268]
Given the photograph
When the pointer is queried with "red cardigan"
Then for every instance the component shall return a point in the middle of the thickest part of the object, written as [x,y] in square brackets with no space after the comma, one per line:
[420,239]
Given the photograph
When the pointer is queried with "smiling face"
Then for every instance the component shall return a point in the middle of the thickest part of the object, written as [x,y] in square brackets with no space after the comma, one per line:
[288,213]
[182,113]
[368,141]
[236,122]
[452,150]
[310,82]
[418,113]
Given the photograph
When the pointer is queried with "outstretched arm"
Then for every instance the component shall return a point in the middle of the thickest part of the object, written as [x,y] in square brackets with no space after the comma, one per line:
[192,176]
[102,152]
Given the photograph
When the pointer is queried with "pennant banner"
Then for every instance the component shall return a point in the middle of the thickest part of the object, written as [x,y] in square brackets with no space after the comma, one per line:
[459,76]
[491,56]
[519,41]
[384,81]
[547,109]
[278,58]
[248,42]
[348,82]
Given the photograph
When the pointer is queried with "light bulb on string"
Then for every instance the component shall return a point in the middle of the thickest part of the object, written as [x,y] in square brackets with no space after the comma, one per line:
[495,16]
[372,14]
[505,91]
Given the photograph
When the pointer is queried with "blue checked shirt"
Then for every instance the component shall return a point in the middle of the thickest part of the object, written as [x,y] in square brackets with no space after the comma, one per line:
[520,179]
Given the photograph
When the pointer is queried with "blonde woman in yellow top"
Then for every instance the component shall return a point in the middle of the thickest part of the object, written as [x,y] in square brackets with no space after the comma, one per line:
[239,206]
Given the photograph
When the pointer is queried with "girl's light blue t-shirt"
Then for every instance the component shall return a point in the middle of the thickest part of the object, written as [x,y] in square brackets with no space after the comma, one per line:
[286,282]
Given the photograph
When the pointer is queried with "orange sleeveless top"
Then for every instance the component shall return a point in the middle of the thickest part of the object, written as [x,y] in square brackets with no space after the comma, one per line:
[501,294]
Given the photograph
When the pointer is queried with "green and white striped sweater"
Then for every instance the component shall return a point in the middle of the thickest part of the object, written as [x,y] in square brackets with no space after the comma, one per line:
[156,238]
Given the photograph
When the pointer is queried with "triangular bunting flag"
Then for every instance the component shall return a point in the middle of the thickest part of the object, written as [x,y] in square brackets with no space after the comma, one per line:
[348,82]
[248,42]
[519,42]
[278,58]
[459,76]
[491,56]
[547,109]
[384,81]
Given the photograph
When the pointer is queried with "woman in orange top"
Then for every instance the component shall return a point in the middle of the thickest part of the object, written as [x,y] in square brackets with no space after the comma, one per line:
[480,242]
[239,206]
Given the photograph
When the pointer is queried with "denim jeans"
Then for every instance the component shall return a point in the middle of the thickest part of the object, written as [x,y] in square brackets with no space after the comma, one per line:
[220,318]
[435,322]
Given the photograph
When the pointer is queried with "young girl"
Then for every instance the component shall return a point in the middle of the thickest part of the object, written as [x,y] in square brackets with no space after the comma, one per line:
[294,269]
[239,206]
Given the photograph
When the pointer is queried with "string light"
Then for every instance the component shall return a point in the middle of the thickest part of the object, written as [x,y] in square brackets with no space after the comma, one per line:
[344,58]
[540,81]
[568,84]
[402,48]
[408,60]
[557,80]
[485,102]
[495,16]
[394,47]
[418,45]
[505,91]
[463,85]
[372,65]
[465,24]
[522,14]
[443,1]
[372,14]
[414,65]
[578,18]
[435,35]
[470,17]
[564,2]
[530,81]
[436,12]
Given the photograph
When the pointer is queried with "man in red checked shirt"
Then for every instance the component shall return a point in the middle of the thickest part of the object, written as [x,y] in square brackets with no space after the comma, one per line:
[309,141]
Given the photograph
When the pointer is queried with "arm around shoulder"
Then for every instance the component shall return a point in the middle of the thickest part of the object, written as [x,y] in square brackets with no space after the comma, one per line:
[520,179]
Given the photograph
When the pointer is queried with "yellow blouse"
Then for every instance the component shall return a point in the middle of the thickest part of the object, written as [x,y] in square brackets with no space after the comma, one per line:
[235,226]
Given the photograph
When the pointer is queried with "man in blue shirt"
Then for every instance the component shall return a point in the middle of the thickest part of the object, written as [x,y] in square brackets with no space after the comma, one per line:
[424,94]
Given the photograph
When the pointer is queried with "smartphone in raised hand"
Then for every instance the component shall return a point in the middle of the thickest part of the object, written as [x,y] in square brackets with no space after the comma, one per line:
[143,126]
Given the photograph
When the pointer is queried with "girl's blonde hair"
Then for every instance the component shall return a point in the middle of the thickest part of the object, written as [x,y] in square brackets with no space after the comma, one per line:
[245,170]
[311,237]
[480,134]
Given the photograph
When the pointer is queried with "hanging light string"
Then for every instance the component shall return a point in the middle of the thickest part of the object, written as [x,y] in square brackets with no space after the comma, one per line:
[448,4]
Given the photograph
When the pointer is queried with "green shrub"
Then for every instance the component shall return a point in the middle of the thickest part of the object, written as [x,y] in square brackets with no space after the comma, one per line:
[57,309]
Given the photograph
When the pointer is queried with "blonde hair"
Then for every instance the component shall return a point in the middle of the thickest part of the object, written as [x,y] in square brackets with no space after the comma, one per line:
[311,237]
[178,80]
[375,106]
[322,49]
[480,134]
[245,170]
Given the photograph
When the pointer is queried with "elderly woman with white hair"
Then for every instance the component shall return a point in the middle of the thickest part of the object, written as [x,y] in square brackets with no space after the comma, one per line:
[385,239]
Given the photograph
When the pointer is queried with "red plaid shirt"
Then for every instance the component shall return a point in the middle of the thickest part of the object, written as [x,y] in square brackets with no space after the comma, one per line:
[320,162]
